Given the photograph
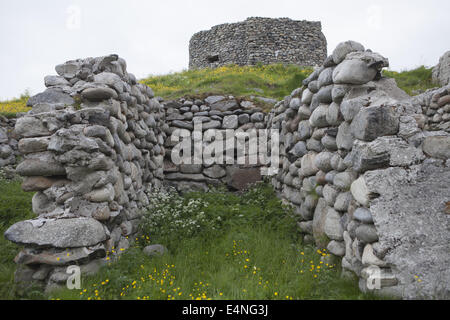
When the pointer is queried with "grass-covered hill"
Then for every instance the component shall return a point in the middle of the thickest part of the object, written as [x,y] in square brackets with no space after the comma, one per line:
[269,81]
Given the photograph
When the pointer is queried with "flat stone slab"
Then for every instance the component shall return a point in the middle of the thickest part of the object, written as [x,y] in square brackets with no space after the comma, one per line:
[412,223]
[60,233]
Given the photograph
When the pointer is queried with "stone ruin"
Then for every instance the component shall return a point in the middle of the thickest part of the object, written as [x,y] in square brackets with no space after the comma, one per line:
[365,167]
[259,40]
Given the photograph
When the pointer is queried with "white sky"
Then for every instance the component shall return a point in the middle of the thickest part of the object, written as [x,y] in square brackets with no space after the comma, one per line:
[153,36]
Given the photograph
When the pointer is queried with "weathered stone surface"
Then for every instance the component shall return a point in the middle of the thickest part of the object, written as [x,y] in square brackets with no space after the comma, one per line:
[319,117]
[225,105]
[98,94]
[337,248]
[31,127]
[41,164]
[370,259]
[344,48]
[51,96]
[155,250]
[359,68]
[299,150]
[441,72]
[437,147]
[329,194]
[60,233]
[325,77]
[257,117]
[343,201]
[191,168]
[351,107]
[215,172]
[383,152]
[51,81]
[343,180]
[319,219]
[333,228]
[344,138]
[304,130]
[360,191]
[373,122]
[33,145]
[39,183]
[308,167]
[366,233]
[230,122]
[363,215]
[105,194]
[323,161]
[410,220]
[353,72]
[214,99]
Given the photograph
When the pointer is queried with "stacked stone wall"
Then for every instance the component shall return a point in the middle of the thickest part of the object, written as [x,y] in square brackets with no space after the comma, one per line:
[364,175]
[365,167]
[259,40]
[93,152]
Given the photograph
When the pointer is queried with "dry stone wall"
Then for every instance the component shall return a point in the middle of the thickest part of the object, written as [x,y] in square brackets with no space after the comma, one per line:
[365,167]
[8,145]
[435,104]
[259,40]
[441,72]
[93,153]
[221,114]
[366,181]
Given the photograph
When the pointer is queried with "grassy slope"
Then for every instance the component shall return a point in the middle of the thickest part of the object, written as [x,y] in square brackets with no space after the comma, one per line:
[9,108]
[274,81]
[413,81]
[271,81]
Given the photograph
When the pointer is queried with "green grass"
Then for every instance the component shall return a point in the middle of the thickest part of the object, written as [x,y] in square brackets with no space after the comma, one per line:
[272,81]
[15,205]
[251,252]
[254,255]
[413,81]
[10,108]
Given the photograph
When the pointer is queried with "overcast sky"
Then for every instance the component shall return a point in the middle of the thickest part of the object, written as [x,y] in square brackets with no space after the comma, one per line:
[153,36]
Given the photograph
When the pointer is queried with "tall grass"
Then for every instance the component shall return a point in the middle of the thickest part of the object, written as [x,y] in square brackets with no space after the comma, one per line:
[253,255]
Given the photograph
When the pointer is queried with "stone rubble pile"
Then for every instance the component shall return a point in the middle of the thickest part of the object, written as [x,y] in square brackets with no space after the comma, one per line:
[366,181]
[217,113]
[93,153]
